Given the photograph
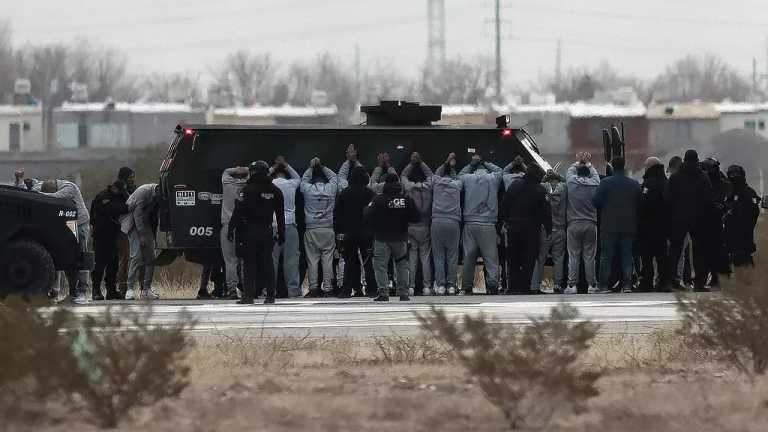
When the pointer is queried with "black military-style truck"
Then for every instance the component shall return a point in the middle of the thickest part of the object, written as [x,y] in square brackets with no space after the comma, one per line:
[37,239]
[190,175]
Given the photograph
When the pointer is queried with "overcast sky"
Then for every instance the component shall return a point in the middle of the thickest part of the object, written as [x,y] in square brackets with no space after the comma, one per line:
[637,36]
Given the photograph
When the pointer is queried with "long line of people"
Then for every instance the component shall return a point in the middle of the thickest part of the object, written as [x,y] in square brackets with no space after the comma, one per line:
[337,229]
[644,233]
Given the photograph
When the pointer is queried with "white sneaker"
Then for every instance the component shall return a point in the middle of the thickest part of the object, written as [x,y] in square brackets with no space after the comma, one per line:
[440,290]
[451,290]
[80,298]
[596,290]
[130,295]
[627,290]
[570,290]
[547,290]
[426,292]
[149,295]
[410,292]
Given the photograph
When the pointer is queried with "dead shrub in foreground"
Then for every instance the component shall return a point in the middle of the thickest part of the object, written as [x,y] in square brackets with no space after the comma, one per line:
[251,348]
[528,372]
[128,362]
[734,325]
[111,363]
[401,349]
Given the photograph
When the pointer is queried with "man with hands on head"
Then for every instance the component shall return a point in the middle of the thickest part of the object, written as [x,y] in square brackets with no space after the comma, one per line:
[285,178]
[417,184]
[446,225]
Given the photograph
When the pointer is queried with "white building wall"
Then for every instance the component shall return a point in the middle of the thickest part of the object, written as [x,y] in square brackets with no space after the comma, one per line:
[30,124]
[756,121]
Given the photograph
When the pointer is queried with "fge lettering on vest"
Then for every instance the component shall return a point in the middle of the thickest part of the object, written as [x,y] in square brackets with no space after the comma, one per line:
[397,203]
[268,196]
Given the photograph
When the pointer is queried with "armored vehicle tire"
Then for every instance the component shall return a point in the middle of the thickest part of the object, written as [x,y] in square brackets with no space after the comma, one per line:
[26,267]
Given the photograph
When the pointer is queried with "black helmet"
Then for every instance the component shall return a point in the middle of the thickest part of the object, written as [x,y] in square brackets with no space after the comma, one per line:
[259,169]
[736,171]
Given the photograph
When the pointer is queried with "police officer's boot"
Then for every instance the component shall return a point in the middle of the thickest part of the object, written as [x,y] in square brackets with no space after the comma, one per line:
[97,294]
[113,293]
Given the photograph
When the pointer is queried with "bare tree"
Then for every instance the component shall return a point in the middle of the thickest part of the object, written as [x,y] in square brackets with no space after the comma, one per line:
[386,83]
[581,84]
[177,87]
[459,82]
[247,76]
[7,68]
[326,74]
[706,78]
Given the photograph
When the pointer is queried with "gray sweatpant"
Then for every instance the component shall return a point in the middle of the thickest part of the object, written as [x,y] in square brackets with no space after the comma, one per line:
[80,282]
[232,263]
[290,253]
[556,244]
[382,252]
[421,245]
[141,257]
[445,251]
[480,240]
[582,244]
[320,243]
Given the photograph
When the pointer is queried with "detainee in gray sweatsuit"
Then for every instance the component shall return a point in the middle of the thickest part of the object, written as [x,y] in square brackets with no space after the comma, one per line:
[417,184]
[481,182]
[319,186]
[555,188]
[446,226]
[582,181]
[78,283]
[233,181]
[382,169]
[137,224]
[287,180]
[514,172]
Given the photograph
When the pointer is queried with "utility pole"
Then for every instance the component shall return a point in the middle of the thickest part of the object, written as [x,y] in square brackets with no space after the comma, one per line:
[558,65]
[498,48]
[358,92]
[435,36]
[754,78]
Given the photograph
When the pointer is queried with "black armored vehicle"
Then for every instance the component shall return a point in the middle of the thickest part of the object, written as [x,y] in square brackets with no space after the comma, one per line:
[190,176]
[37,238]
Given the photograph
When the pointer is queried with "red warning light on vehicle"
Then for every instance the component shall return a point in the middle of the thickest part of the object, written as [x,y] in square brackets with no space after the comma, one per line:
[189,132]
[506,132]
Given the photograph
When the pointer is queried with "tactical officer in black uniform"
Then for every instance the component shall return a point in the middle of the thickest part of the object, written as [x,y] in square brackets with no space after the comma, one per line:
[741,212]
[106,210]
[251,229]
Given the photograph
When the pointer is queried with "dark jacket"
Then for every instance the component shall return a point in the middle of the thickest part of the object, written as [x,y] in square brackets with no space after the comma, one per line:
[106,209]
[389,214]
[252,218]
[742,211]
[348,217]
[525,205]
[618,199]
[689,195]
[653,209]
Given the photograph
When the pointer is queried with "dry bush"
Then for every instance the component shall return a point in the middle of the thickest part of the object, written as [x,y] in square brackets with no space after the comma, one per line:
[402,349]
[529,372]
[660,350]
[124,361]
[109,363]
[178,280]
[251,348]
[734,325]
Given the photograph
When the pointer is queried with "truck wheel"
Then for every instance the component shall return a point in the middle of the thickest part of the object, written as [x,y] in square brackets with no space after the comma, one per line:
[26,267]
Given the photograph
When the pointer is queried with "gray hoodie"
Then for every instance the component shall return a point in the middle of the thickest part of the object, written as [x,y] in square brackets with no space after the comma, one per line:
[70,191]
[288,187]
[377,181]
[319,199]
[230,191]
[511,178]
[139,211]
[446,196]
[420,192]
[556,198]
[344,171]
[481,194]
[580,191]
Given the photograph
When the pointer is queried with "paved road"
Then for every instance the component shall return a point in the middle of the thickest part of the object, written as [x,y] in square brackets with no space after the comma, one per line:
[632,313]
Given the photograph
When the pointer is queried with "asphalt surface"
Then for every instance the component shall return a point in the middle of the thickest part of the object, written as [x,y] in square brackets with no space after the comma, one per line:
[617,313]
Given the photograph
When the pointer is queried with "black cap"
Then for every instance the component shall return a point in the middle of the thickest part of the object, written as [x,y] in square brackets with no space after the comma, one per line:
[124,173]
[259,168]
[691,156]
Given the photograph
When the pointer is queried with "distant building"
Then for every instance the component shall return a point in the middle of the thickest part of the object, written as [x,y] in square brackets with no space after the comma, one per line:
[21,128]
[589,120]
[747,116]
[547,124]
[274,115]
[119,125]
[675,127]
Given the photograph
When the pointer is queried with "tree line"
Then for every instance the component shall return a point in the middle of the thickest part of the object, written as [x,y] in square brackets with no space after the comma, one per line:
[247,78]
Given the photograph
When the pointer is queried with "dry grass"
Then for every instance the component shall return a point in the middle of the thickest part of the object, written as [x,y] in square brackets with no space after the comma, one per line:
[318,390]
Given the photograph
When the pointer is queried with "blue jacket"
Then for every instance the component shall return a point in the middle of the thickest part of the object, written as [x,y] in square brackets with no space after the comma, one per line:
[618,200]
